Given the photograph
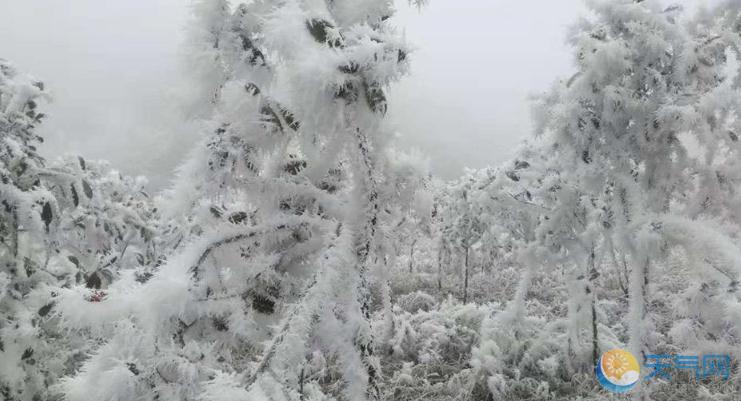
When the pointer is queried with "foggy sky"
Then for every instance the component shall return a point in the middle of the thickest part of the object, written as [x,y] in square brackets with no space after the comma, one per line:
[111,66]
[477,62]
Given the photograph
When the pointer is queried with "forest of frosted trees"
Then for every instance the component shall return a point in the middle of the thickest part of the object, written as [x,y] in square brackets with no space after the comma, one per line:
[301,254]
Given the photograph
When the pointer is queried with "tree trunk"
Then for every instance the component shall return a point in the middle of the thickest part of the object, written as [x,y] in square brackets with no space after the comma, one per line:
[621,269]
[366,237]
[465,280]
[301,395]
[411,256]
[593,274]
[440,269]
[637,307]
[15,234]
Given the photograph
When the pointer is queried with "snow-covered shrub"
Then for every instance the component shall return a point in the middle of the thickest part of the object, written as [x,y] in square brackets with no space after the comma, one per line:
[430,349]
[32,353]
[61,224]
[416,301]
[108,221]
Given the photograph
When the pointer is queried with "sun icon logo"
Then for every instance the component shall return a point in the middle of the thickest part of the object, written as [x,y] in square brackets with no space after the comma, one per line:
[618,371]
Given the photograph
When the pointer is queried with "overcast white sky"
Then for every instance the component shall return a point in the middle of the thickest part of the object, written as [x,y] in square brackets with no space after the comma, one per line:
[111,67]
[477,61]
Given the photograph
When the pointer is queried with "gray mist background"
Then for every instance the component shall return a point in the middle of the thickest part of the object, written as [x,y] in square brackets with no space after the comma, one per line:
[112,67]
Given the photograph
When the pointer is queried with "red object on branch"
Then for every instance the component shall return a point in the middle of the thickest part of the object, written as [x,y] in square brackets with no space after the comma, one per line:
[97,296]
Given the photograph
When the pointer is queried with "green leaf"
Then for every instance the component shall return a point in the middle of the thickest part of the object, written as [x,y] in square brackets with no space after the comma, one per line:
[521,164]
[319,30]
[74,260]
[238,217]
[44,310]
[87,189]
[27,353]
[46,215]
[75,197]
[93,281]
[215,211]
[375,97]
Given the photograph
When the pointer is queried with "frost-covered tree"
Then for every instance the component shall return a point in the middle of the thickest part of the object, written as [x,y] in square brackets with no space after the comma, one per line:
[28,359]
[408,201]
[633,175]
[61,224]
[624,129]
[465,228]
[275,236]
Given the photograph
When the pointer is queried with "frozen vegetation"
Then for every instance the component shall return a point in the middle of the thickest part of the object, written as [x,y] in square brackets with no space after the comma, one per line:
[300,255]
